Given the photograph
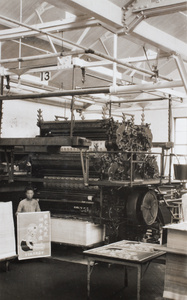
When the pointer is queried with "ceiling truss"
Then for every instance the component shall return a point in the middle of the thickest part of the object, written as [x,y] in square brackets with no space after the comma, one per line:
[128,22]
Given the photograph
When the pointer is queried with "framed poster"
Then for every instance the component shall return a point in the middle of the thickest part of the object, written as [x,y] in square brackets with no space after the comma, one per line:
[34,235]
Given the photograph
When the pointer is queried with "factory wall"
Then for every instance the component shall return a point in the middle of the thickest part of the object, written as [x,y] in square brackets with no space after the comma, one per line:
[158,120]
[20,118]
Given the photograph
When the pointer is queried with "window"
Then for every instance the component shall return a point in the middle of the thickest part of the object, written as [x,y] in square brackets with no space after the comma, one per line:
[181,138]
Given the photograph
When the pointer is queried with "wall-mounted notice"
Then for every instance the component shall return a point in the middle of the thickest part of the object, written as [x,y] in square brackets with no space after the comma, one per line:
[7,235]
[34,235]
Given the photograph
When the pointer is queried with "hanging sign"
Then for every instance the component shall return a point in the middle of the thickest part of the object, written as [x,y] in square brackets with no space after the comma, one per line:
[45,76]
[34,235]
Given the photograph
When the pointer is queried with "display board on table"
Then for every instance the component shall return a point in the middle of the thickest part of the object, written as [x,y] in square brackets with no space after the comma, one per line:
[127,250]
[7,233]
[34,235]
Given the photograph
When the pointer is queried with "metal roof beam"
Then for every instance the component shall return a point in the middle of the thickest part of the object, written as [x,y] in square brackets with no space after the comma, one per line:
[135,13]
[182,70]
[82,36]
[158,8]
[168,91]
[44,6]
[31,46]
[159,39]
[105,11]
[150,57]
[33,28]
[41,56]
[145,87]
[98,67]
[105,90]
[64,102]
[54,26]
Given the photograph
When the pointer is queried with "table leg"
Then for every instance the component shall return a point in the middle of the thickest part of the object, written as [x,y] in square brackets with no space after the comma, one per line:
[88,279]
[125,277]
[139,273]
[7,266]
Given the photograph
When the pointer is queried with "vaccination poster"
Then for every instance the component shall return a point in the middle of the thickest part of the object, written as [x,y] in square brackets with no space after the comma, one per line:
[34,235]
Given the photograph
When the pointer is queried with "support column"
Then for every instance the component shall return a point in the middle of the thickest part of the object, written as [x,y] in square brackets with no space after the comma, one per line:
[170,134]
[115,56]
[72,103]
[21,14]
[170,127]
[1,104]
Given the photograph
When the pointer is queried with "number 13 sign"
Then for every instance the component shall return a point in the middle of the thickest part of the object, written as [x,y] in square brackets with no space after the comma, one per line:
[45,76]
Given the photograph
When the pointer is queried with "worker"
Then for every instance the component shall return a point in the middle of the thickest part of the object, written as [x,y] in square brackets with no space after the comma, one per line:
[28,204]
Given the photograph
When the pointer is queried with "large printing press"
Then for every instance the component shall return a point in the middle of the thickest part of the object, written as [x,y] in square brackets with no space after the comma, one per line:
[102,171]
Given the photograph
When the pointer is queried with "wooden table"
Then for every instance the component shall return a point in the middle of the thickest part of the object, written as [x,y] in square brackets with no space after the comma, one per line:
[125,253]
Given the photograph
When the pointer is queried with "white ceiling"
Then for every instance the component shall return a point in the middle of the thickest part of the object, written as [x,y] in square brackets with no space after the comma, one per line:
[159,40]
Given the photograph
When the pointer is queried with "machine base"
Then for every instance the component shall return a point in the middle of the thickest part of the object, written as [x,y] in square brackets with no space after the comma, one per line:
[76,232]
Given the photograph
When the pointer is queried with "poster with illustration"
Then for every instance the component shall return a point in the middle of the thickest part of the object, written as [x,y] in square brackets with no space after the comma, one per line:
[34,235]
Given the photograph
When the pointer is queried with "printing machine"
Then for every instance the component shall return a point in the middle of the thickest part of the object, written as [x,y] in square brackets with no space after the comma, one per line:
[104,174]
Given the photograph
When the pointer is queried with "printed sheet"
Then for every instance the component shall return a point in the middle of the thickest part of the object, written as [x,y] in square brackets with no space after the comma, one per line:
[7,233]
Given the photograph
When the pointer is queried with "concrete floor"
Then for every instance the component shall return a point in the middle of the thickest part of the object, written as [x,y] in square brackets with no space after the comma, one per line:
[53,279]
